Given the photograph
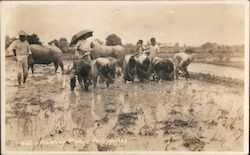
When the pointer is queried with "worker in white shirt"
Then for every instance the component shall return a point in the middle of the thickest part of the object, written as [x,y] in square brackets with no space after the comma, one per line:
[182,60]
[21,51]
[82,48]
[153,49]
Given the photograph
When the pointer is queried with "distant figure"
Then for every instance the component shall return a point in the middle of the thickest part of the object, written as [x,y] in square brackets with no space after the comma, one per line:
[153,49]
[182,60]
[21,51]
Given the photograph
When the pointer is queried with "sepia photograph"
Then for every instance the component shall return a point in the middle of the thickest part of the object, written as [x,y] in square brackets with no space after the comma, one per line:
[125,77]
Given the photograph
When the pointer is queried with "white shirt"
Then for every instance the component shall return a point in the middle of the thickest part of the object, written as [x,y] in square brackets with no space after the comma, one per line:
[22,48]
[182,58]
[153,50]
[82,45]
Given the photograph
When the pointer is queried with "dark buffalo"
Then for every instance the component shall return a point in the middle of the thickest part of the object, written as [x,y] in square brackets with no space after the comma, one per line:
[162,69]
[143,67]
[45,54]
[129,68]
[88,71]
[105,68]
[81,69]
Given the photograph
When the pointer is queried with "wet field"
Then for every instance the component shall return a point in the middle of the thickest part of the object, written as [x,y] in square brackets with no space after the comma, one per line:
[200,114]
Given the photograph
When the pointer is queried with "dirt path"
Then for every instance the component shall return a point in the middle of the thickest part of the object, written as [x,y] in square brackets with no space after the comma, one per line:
[174,116]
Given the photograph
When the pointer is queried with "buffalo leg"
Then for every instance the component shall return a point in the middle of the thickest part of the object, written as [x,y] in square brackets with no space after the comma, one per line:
[176,74]
[32,69]
[80,80]
[86,84]
[95,82]
[72,80]
[31,66]
[19,79]
[56,66]
[61,66]
[171,75]
[73,83]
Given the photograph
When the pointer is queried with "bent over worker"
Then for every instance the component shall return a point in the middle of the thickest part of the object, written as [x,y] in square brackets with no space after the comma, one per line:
[182,60]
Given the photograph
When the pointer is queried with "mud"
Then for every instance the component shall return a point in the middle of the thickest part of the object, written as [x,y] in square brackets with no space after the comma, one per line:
[204,113]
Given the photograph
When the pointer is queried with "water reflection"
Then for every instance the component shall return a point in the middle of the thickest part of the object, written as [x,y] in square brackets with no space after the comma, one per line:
[78,113]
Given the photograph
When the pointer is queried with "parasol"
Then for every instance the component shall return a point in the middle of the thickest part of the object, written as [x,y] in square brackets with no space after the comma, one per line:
[81,35]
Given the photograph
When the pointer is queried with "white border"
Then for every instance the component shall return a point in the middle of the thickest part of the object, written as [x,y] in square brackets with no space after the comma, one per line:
[246,80]
[131,2]
[2,78]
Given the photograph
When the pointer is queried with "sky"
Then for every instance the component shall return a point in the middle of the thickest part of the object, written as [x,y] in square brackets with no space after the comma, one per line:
[190,24]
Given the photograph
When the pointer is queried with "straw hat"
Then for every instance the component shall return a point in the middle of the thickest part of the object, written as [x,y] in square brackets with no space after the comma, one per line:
[22,33]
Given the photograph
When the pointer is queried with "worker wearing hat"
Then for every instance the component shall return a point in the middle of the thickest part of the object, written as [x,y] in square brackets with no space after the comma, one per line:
[21,51]
[82,48]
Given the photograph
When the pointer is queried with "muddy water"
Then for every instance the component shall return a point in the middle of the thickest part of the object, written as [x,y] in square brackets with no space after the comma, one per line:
[222,71]
[174,116]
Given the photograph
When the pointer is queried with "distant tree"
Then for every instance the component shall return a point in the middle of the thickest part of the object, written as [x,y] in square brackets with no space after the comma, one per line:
[54,42]
[176,50]
[64,44]
[98,41]
[113,40]
[210,51]
[221,57]
[177,45]
[129,48]
[8,41]
[209,45]
[189,50]
[34,39]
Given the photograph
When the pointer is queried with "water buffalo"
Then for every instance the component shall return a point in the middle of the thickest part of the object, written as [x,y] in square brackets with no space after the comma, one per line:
[81,69]
[162,68]
[101,50]
[143,67]
[104,68]
[129,68]
[45,54]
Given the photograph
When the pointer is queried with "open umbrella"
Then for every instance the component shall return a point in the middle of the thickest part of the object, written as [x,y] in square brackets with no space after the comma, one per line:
[81,35]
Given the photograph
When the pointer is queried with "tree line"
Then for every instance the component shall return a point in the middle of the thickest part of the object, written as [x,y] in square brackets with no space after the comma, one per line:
[62,43]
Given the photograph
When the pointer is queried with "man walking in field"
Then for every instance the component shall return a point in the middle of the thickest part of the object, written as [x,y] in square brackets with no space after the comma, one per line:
[182,60]
[21,51]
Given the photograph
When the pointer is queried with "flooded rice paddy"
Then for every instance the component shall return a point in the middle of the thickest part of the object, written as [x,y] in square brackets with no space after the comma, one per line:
[183,115]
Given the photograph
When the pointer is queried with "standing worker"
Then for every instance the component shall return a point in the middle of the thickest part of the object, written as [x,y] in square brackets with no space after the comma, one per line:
[153,49]
[21,51]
